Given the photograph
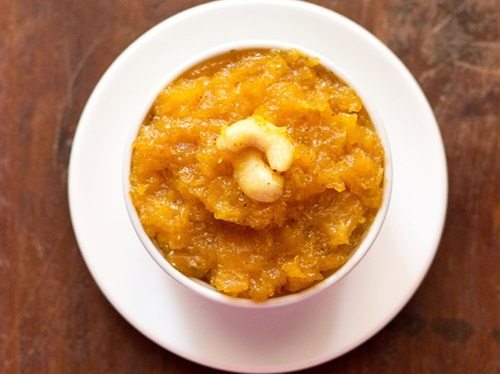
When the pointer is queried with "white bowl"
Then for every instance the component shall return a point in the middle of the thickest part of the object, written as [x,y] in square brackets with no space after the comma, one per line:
[203,288]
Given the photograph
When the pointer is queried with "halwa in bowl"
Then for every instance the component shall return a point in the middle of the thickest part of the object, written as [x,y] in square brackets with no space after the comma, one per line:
[258,175]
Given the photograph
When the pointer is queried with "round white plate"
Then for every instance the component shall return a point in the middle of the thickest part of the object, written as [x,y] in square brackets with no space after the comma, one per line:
[281,339]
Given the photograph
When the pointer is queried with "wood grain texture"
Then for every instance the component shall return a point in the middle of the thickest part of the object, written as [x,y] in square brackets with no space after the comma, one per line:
[54,319]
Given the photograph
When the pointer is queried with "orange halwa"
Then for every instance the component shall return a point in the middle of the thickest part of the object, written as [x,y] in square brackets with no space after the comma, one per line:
[189,204]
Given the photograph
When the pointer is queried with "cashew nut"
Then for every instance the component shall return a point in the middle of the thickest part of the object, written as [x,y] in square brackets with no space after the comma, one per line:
[256,179]
[257,132]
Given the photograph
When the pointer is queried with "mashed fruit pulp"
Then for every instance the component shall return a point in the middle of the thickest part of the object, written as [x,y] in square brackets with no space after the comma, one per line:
[190,205]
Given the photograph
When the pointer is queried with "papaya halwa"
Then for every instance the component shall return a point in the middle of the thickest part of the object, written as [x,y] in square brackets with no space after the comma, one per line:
[184,187]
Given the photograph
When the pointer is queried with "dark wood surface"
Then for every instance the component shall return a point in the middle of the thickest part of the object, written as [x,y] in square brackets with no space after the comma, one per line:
[54,319]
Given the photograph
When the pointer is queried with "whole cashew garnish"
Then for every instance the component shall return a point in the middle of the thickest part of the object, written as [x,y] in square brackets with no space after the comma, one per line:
[257,179]
[257,132]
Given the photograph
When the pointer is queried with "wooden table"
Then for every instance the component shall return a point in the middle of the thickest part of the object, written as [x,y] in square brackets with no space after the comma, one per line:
[53,318]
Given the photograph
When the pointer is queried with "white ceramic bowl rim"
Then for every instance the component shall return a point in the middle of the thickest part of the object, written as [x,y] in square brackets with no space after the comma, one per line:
[202,288]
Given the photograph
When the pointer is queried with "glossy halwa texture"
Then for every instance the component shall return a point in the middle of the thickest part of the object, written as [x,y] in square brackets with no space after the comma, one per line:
[191,207]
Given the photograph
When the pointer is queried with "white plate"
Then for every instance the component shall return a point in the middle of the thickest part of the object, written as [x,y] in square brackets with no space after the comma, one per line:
[281,339]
